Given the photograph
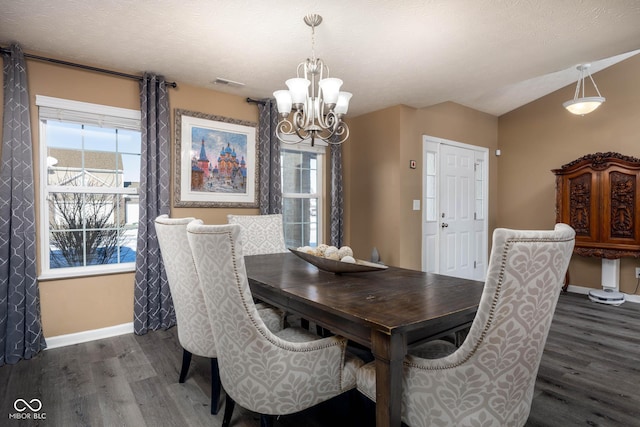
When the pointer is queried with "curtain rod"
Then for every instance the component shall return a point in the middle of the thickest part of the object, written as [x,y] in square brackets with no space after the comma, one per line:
[256,101]
[84,67]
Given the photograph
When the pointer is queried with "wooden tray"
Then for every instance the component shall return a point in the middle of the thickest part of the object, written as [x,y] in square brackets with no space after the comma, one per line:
[338,267]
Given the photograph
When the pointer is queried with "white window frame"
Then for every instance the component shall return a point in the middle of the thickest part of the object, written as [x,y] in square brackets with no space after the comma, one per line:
[88,114]
[320,149]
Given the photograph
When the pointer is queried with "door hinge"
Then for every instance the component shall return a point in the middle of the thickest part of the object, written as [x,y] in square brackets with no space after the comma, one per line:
[475,264]
[475,216]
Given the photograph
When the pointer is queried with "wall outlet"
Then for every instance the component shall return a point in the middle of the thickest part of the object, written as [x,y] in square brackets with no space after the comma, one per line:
[637,272]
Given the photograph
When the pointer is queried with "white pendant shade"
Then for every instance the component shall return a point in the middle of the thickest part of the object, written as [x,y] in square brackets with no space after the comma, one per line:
[298,88]
[330,88]
[283,100]
[582,106]
[342,106]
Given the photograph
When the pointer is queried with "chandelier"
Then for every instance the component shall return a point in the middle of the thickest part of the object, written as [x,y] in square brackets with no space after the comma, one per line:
[317,102]
[583,105]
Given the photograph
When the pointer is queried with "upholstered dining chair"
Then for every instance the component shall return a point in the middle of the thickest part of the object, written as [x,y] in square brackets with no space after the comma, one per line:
[194,329]
[490,378]
[268,373]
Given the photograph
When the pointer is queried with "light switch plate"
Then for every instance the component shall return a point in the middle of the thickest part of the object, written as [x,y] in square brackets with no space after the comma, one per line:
[416,205]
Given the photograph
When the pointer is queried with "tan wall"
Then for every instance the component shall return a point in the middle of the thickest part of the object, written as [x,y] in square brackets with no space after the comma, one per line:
[542,136]
[380,185]
[79,304]
[372,183]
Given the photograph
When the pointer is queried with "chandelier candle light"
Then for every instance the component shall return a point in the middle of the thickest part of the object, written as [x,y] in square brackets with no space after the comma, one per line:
[318,112]
[583,105]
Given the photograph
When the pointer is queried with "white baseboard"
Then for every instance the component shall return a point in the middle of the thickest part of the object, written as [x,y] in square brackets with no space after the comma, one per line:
[585,291]
[85,336]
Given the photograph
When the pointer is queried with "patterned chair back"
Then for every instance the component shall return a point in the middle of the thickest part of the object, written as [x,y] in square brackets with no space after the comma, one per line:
[194,329]
[261,234]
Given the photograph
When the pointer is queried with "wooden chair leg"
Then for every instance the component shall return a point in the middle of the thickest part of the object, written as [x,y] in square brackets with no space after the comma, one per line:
[186,361]
[228,411]
[304,323]
[266,420]
[215,385]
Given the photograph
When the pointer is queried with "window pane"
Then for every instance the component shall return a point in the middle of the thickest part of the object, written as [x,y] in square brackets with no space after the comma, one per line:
[91,156]
[63,135]
[431,210]
[300,222]
[431,163]
[61,169]
[64,150]
[102,169]
[301,203]
[91,229]
[479,190]
[99,139]
[299,172]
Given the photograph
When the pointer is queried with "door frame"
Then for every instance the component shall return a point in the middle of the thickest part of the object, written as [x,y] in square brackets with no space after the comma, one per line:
[431,144]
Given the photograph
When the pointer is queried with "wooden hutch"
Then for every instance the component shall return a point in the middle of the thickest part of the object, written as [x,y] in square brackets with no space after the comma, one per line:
[599,196]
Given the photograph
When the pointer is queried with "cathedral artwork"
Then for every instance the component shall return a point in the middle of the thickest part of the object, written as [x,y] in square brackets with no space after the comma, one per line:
[217,162]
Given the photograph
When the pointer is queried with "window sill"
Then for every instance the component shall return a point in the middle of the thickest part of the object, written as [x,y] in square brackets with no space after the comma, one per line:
[68,273]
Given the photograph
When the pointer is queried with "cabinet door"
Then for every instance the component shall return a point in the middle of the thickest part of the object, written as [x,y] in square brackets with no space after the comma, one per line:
[620,224]
[579,205]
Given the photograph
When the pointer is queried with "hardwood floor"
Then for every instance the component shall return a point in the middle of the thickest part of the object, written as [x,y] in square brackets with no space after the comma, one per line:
[589,375]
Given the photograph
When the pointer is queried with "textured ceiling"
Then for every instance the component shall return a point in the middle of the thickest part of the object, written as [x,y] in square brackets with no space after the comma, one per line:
[491,55]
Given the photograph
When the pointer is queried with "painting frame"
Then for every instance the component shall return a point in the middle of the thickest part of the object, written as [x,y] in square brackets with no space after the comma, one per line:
[215,184]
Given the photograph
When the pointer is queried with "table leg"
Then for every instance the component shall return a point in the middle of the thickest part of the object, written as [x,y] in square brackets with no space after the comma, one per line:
[389,351]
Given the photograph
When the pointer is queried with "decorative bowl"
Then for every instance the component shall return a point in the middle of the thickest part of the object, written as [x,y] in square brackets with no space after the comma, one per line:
[338,267]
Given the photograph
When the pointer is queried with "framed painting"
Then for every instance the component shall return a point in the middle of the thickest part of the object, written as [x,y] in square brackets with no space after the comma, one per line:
[216,161]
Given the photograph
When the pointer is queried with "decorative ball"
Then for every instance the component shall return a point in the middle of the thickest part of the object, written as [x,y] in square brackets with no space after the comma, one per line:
[349,259]
[329,251]
[320,250]
[308,250]
[345,251]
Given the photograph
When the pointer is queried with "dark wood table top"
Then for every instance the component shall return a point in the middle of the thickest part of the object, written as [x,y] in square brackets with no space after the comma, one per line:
[396,300]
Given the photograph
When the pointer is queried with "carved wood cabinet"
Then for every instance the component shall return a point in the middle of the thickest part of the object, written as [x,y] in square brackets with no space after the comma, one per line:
[599,196]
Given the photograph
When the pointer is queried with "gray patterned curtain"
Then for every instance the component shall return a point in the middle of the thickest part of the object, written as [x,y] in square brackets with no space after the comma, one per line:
[337,189]
[20,325]
[270,196]
[153,306]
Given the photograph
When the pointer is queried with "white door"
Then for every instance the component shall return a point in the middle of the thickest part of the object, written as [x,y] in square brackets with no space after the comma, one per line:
[454,226]
[456,212]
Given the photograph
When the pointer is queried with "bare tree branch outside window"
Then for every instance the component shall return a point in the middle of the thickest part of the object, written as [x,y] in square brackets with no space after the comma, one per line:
[84,228]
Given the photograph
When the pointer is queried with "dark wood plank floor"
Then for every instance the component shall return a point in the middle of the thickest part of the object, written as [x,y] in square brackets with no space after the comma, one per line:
[590,375]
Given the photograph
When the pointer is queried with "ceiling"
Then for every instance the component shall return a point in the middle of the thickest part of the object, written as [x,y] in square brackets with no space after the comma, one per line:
[490,55]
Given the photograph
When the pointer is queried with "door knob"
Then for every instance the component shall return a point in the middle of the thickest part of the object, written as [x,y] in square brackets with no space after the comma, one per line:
[444,224]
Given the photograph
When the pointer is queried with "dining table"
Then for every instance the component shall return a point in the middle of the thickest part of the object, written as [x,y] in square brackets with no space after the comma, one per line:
[386,310]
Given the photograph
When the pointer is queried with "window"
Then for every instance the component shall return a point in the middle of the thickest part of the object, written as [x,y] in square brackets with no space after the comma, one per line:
[90,174]
[430,187]
[302,171]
